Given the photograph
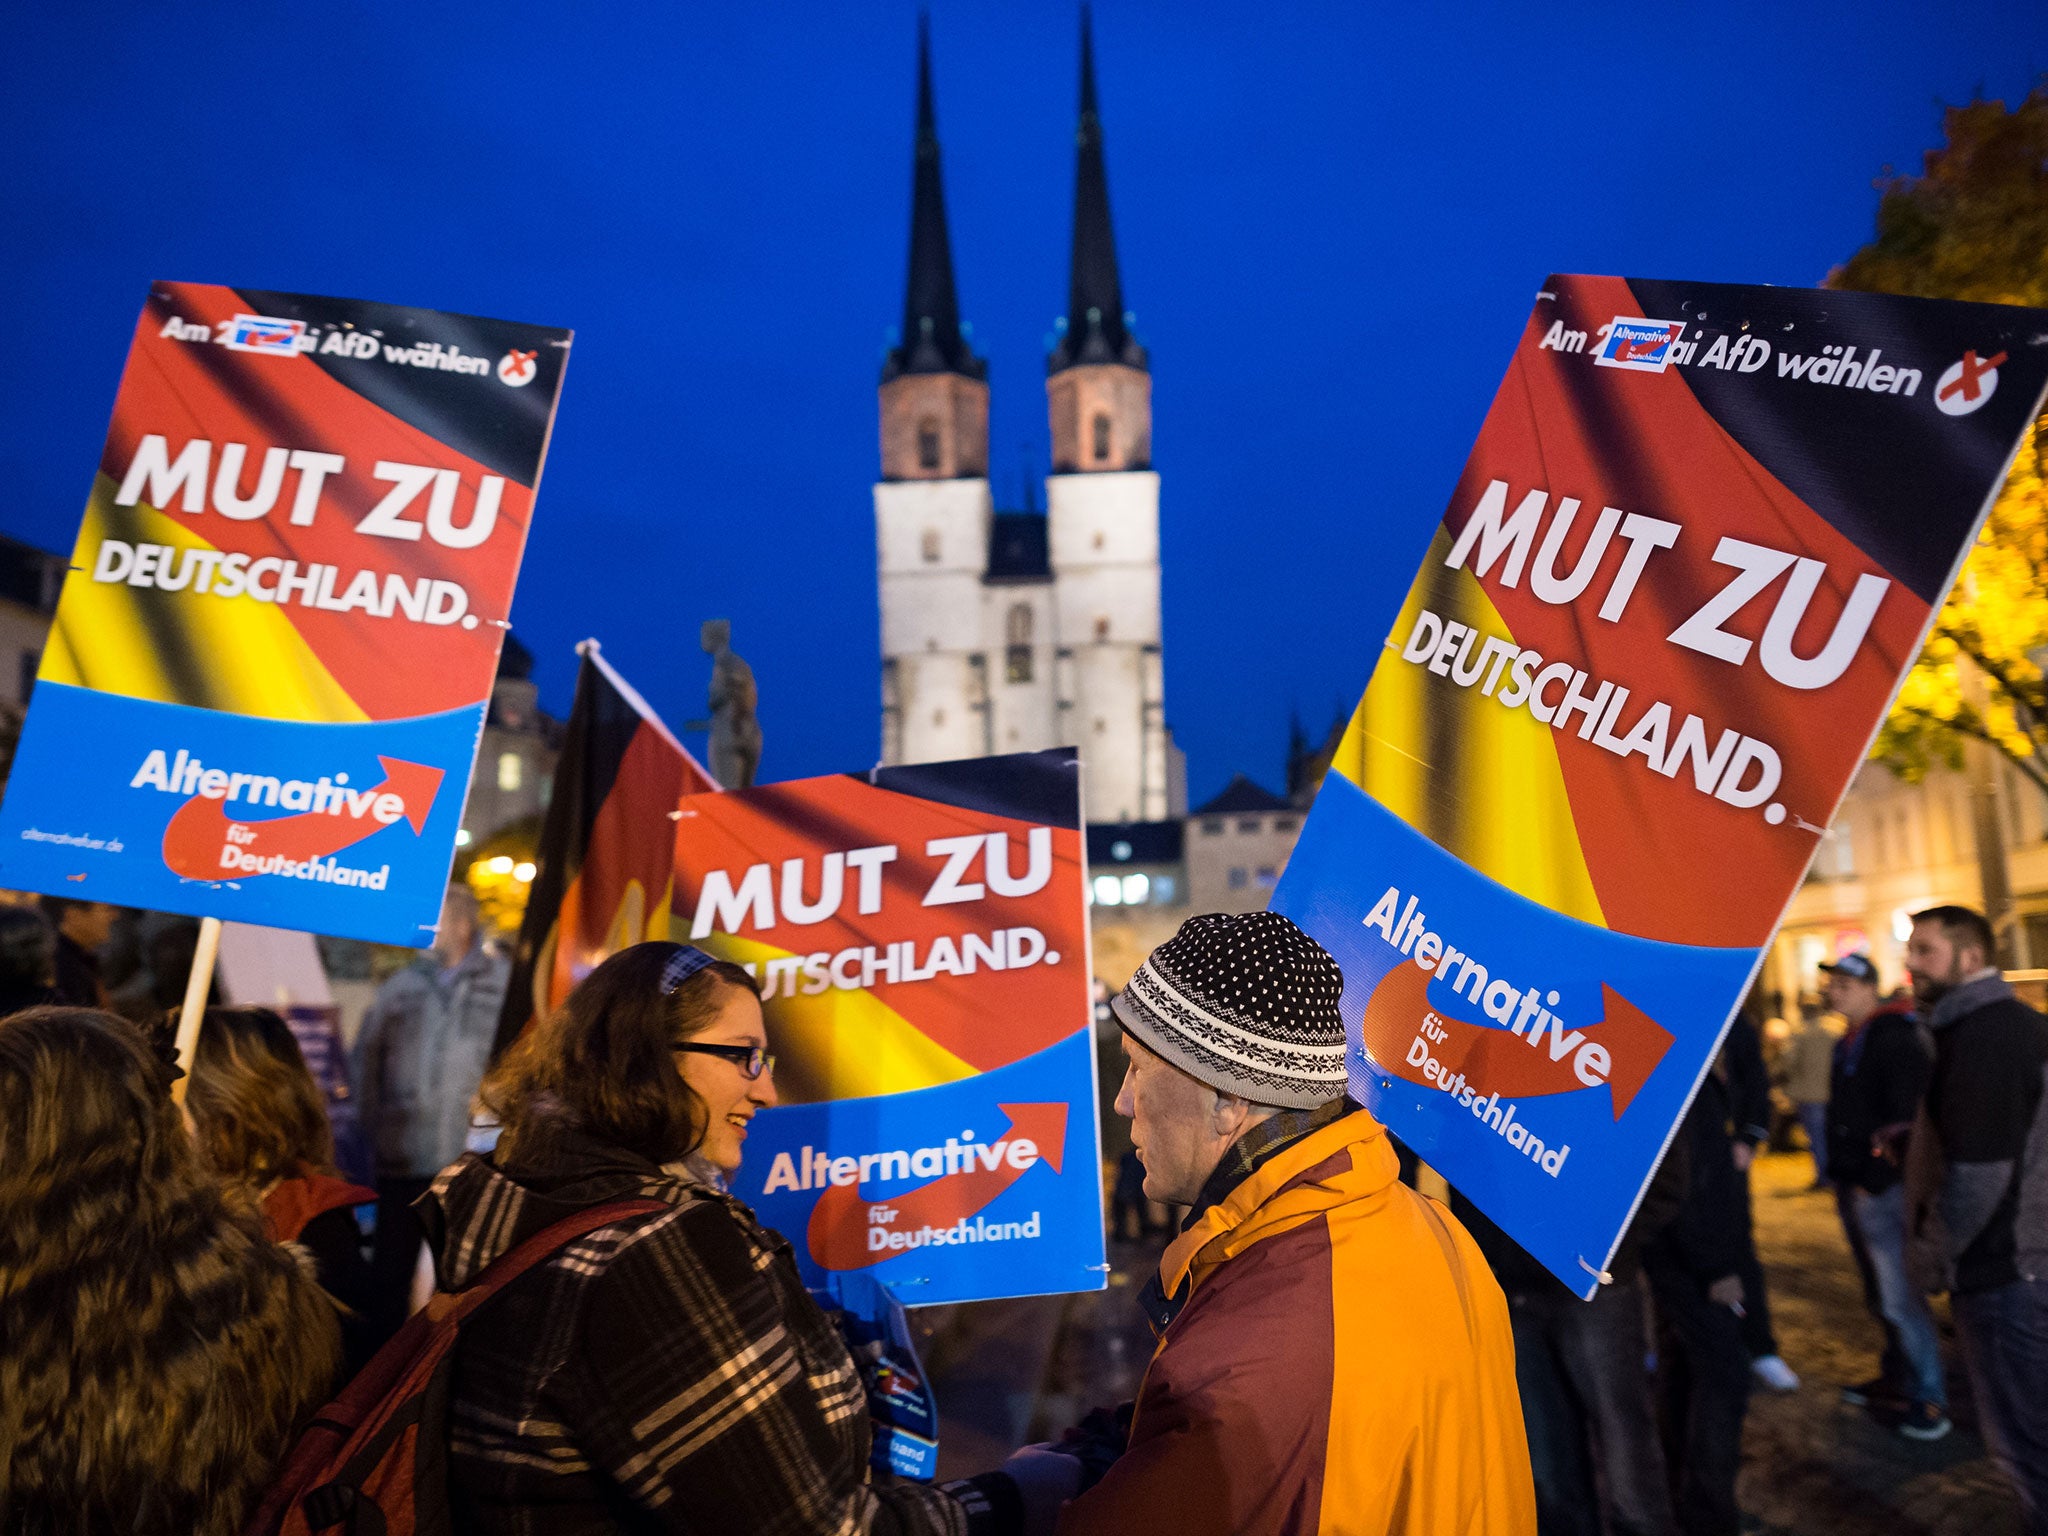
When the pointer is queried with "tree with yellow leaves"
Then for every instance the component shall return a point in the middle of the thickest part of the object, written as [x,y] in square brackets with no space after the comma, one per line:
[1974,226]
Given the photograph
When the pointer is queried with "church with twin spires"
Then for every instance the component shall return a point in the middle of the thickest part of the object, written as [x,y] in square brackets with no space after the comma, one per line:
[1015,631]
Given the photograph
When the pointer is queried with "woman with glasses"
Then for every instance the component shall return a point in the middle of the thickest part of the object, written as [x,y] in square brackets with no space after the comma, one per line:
[666,1372]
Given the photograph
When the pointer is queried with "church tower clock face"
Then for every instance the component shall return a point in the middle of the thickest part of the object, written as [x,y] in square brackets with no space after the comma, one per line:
[1016,629]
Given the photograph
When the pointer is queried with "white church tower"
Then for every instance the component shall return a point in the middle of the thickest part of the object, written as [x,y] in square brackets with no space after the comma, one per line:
[933,511]
[1102,508]
[1011,631]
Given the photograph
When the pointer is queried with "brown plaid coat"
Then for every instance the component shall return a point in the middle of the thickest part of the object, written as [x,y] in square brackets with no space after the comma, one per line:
[669,1373]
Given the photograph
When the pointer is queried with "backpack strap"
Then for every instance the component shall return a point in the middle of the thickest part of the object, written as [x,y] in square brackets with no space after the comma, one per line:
[537,1249]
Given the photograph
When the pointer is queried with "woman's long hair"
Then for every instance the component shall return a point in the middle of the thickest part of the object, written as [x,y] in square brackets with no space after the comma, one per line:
[258,1114]
[602,1062]
[156,1352]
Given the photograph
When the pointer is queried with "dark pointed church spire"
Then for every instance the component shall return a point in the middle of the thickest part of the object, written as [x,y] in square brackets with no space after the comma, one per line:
[932,341]
[1097,330]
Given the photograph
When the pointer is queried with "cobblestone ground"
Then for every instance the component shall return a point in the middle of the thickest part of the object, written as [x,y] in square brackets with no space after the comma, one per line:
[1008,1372]
[1812,1464]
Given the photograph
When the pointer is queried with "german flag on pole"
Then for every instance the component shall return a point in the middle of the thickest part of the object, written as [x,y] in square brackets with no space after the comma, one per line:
[607,849]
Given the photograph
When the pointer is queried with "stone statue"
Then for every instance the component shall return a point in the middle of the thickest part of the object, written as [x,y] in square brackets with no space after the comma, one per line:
[735,733]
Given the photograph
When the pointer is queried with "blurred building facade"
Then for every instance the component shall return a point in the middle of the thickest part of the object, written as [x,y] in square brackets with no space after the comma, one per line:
[1897,848]
[1019,630]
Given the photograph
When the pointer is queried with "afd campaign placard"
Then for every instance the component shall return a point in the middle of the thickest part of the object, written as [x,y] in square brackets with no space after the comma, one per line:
[271,659]
[1696,547]
[920,941]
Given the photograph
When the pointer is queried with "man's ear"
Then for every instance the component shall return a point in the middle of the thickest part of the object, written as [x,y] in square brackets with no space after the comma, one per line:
[1228,1116]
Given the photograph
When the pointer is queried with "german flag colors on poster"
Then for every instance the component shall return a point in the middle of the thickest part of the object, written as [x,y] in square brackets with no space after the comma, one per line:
[1695,549]
[920,941]
[271,660]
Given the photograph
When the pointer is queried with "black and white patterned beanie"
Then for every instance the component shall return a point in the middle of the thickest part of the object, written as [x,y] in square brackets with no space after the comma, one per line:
[1245,1002]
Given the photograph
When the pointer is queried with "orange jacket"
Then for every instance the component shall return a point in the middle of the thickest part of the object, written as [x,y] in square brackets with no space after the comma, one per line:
[1343,1365]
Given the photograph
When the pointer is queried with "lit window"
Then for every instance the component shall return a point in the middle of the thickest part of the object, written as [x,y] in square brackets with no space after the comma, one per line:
[1136,887]
[524,871]
[500,865]
[511,771]
[1109,891]
[1237,879]
[928,443]
[1162,889]
[1101,437]
[462,837]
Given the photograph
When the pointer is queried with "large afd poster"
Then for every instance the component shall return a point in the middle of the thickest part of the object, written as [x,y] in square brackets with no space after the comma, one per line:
[919,938]
[274,650]
[1698,543]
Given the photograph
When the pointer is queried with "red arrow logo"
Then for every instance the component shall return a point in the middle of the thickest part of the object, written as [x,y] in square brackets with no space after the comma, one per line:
[841,1220]
[203,842]
[1406,1036]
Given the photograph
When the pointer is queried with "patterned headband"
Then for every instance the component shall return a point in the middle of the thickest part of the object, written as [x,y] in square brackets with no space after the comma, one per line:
[686,962]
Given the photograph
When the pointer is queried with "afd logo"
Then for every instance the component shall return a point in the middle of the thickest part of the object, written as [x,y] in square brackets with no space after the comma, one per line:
[1644,345]
[261,333]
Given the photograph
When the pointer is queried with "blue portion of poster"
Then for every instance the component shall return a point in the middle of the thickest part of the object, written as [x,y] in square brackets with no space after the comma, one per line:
[982,1188]
[322,827]
[1539,1063]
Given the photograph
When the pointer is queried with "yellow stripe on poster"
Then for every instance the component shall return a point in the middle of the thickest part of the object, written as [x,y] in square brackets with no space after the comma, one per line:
[839,1044]
[233,654]
[1484,783]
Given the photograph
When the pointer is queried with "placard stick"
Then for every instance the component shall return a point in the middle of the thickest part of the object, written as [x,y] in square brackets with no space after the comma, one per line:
[196,986]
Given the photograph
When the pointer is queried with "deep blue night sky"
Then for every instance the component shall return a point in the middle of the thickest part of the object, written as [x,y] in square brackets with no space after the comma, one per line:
[1331,221]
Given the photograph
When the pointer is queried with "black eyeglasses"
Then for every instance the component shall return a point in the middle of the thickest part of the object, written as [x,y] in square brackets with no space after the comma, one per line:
[752,1060]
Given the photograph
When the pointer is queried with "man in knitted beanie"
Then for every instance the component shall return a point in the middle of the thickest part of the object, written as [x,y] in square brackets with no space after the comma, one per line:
[1334,1354]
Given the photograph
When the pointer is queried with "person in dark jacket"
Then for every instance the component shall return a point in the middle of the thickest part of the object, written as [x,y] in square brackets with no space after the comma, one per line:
[1979,1177]
[1749,1117]
[1586,1402]
[261,1120]
[665,1372]
[28,958]
[1695,1270]
[1877,1078]
[83,928]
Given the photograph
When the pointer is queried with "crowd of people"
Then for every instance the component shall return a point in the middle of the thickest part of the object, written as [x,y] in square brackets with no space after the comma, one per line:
[185,1277]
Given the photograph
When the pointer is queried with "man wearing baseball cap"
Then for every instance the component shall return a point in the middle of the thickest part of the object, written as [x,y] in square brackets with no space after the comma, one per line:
[1333,1352]
[1877,1079]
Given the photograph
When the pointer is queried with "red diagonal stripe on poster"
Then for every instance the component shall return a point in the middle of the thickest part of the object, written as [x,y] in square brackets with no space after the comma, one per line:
[1493,1060]
[201,828]
[841,1220]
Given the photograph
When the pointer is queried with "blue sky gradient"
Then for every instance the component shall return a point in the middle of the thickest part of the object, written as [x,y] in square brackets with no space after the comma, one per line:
[1331,221]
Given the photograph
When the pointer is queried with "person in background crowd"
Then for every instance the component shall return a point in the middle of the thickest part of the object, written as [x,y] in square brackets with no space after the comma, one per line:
[1803,1073]
[1593,1446]
[669,1372]
[418,1058]
[83,928]
[1334,1354]
[1748,1107]
[156,1353]
[261,1122]
[157,968]
[1695,1269]
[1978,1177]
[28,959]
[1879,1074]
